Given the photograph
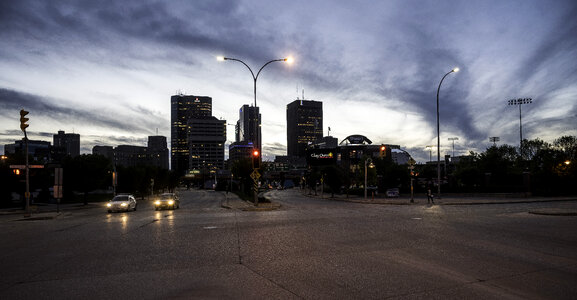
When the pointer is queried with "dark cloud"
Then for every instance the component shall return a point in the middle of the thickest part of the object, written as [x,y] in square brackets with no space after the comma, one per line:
[141,120]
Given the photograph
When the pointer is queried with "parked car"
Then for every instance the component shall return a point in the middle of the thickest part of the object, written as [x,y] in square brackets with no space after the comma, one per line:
[121,203]
[167,200]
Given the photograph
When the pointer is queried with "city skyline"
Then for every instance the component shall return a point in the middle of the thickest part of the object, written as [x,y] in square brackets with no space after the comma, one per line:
[105,70]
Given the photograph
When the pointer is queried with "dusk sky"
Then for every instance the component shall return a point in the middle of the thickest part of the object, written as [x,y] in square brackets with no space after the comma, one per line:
[107,69]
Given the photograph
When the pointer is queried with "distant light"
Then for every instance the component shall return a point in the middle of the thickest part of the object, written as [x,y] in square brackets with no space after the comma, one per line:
[567,162]
[456,70]
[289,60]
[220,58]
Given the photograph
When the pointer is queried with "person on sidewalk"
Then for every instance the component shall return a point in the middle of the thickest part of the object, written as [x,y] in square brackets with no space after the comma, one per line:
[430,197]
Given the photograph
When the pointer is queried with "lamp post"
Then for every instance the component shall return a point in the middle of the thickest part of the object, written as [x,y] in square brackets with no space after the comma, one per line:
[453,139]
[439,136]
[494,140]
[370,166]
[430,151]
[256,143]
[520,102]
[255,77]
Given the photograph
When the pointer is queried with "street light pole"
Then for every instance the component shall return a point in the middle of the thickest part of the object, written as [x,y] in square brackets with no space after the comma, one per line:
[520,102]
[256,142]
[453,139]
[430,152]
[439,136]
[370,166]
[255,77]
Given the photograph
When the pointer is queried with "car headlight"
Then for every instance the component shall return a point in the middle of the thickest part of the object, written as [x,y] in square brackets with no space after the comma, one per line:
[157,202]
[108,204]
[170,202]
[123,204]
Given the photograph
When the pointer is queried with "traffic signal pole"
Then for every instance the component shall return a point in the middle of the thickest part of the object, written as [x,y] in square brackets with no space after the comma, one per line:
[23,127]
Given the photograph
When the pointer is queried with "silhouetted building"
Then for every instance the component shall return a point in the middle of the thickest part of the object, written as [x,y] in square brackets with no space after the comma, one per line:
[131,156]
[206,138]
[158,151]
[248,126]
[106,151]
[65,144]
[239,150]
[184,108]
[325,142]
[155,155]
[247,131]
[39,150]
[304,125]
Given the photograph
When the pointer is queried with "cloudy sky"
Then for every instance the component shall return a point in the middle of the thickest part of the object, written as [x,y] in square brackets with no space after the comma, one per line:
[107,69]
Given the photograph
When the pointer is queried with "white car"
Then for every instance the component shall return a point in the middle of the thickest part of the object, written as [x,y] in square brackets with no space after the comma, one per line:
[121,203]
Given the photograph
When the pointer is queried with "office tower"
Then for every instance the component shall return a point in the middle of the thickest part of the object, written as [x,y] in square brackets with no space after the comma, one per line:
[206,138]
[66,144]
[184,108]
[248,124]
[304,125]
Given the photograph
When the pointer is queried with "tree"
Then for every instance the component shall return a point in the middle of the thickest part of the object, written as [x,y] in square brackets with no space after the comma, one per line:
[567,144]
[334,178]
[86,173]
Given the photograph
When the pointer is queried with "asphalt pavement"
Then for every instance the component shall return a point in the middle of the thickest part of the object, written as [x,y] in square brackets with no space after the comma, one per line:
[43,211]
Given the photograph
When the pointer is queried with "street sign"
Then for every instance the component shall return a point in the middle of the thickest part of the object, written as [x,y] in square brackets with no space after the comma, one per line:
[255,175]
[24,166]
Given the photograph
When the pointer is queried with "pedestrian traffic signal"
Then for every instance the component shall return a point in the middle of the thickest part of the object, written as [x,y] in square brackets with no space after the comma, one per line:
[383,151]
[255,159]
[23,120]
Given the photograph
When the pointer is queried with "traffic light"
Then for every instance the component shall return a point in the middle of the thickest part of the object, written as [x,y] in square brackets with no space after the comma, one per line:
[255,159]
[383,151]
[23,120]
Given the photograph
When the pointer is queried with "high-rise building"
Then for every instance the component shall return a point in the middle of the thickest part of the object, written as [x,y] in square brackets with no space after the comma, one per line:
[66,144]
[206,138]
[248,125]
[304,125]
[158,151]
[184,108]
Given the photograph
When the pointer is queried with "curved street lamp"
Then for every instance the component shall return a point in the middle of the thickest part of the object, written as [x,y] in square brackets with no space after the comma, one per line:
[256,142]
[439,135]
[288,60]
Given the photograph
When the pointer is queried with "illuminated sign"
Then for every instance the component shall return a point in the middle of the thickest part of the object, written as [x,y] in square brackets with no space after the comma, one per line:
[322,155]
[317,157]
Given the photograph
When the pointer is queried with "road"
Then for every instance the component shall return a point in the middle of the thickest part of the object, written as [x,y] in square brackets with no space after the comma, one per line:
[310,248]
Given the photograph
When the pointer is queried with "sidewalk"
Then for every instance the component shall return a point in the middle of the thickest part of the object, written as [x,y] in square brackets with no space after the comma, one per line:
[45,211]
[456,200]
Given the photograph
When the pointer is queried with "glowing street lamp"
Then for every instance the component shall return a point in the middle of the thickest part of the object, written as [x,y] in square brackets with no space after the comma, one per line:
[439,135]
[289,60]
